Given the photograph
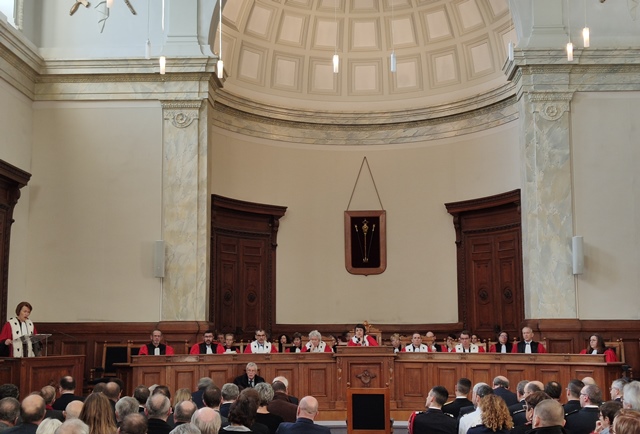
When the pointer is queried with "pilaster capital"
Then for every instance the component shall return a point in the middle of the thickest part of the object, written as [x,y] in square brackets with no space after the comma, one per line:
[550,105]
[181,114]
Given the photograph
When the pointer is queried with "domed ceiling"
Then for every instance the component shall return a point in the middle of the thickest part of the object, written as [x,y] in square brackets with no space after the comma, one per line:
[279,52]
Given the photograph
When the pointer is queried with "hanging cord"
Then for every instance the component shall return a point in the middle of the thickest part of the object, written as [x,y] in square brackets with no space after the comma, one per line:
[364,160]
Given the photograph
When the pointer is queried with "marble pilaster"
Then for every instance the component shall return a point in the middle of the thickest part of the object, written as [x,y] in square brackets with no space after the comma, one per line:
[185,209]
[547,224]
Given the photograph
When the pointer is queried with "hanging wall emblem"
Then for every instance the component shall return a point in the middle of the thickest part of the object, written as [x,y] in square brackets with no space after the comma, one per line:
[365,236]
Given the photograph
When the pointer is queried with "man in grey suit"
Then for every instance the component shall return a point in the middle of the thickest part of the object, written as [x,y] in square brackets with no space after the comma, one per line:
[307,412]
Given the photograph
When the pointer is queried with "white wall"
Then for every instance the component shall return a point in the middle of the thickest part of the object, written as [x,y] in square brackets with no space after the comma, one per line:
[16,125]
[605,159]
[414,182]
[95,211]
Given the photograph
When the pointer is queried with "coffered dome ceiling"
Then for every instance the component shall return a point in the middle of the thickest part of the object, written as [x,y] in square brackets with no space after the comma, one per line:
[279,52]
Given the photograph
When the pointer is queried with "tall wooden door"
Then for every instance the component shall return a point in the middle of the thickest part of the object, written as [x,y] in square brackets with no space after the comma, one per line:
[488,239]
[243,264]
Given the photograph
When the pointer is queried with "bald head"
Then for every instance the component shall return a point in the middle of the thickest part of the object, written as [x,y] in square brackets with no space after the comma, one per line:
[501,381]
[183,411]
[32,409]
[73,409]
[533,386]
[207,420]
[548,413]
[589,381]
[308,407]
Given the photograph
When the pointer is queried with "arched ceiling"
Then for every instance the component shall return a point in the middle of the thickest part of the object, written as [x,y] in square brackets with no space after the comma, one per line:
[279,52]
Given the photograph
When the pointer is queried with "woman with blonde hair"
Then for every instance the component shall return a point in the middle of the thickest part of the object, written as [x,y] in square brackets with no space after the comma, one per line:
[183,394]
[626,422]
[495,416]
[98,414]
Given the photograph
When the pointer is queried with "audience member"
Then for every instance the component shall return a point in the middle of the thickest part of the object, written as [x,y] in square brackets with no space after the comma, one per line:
[462,389]
[48,426]
[473,418]
[133,423]
[73,426]
[280,404]
[307,412]
[48,393]
[9,412]
[584,420]
[263,416]
[32,411]
[519,406]
[608,412]
[141,394]
[553,389]
[183,412]
[207,420]
[617,389]
[548,418]
[67,390]
[73,409]
[501,388]
[124,407]
[627,421]
[494,415]
[196,396]
[98,414]
[632,396]
[9,390]
[433,420]
[573,396]
[242,414]
[292,399]
[531,401]
[250,378]
[229,393]
[158,410]
[186,428]
[213,398]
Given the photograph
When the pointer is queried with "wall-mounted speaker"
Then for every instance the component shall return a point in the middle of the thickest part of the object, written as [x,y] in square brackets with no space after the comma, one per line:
[577,243]
[158,258]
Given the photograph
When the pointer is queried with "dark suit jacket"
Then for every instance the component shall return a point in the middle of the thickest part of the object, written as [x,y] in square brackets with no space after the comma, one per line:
[281,406]
[453,407]
[65,398]
[224,409]
[54,414]
[196,397]
[516,407]
[466,410]
[509,397]
[571,406]
[302,425]
[242,381]
[23,428]
[582,421]
[158,426]
[434,421]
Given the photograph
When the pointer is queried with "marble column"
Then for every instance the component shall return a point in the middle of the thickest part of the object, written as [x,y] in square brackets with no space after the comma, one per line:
[547,211]
[185,209]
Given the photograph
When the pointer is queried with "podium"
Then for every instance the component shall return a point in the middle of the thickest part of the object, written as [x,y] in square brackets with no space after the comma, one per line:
[33,373]
[36,343]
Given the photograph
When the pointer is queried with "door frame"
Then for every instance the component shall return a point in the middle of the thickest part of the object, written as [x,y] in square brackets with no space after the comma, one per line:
[466,221]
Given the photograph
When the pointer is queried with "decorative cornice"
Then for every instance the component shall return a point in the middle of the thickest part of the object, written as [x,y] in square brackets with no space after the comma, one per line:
[178,105]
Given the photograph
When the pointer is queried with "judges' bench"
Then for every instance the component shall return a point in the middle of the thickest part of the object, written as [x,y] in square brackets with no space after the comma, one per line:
[326,376]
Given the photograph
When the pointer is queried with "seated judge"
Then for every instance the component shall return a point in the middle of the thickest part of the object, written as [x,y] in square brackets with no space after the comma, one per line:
[465,345]
[316,344]
[432,346]
[296,345]
[207,346]
[597,346]
[416,345]
[18,327]
[361,339]
[155,347]
[250,377]
[260,345]
[502,346]
[527,345]
[230,345]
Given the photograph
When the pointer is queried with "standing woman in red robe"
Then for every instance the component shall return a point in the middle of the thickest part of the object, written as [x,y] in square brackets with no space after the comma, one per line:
[16,328]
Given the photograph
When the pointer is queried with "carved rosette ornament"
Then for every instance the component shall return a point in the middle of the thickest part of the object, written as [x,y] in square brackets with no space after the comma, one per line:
[365,377]
[181,114]
[551,106]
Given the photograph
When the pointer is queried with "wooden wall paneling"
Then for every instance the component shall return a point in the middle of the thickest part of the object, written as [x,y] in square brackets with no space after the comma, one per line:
[220,374]
[481,372]
[516,373]
[183,376]
[412,384]
[557,373]
[153,375]
[37,372]
[446,375]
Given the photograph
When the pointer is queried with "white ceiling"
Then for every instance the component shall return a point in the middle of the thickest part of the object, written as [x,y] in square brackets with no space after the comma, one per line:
[279,52]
